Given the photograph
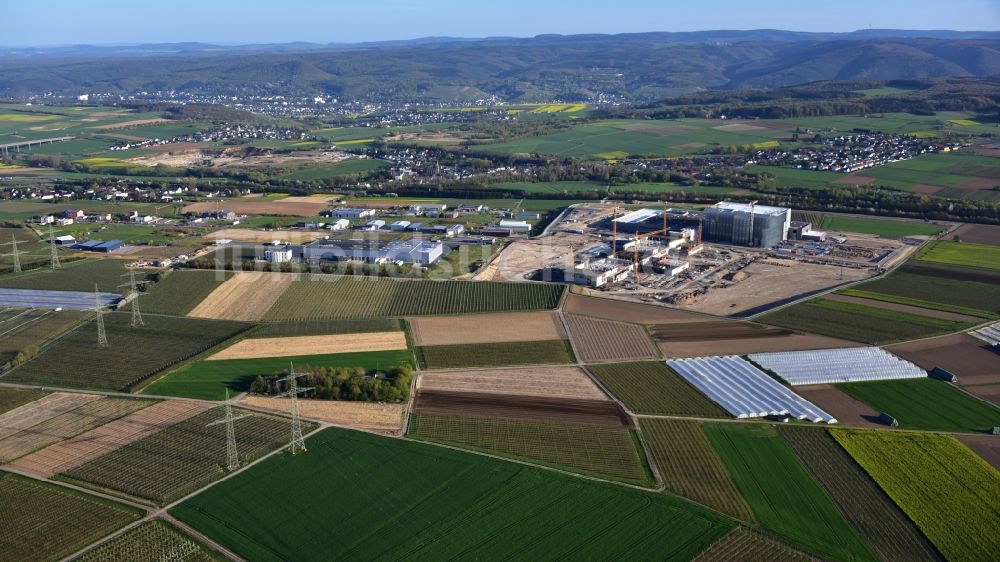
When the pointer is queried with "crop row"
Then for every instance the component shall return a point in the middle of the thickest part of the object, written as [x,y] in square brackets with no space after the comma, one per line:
[650,387]
[152,540]
[318,297]
[542,352]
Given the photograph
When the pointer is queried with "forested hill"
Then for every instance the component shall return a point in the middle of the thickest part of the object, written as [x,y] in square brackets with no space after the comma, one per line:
[645,66]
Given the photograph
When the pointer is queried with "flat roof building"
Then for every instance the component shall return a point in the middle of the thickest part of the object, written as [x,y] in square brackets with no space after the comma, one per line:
[423,252]
[746,225]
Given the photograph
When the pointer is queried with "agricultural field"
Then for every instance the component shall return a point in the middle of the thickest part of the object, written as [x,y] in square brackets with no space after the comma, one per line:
[486,328]
[37,411]
[245,296]
[444,504]
[209,380]
[741,545]
[44,522]
[325,327]
[846,410]
[860,323]
[624,311]
[371,416]
[886,529]
[882,227]
[23,331]
[74,276]
[961,253]
[353,167]
[926,404]
[603,340]
[783,496]
[604,451]
[691,468]
[133,354]
[316,297]
[936,288]
[36,252]
[969,359]
[156,539]
[182,458]
[295,346]
[273,206]
[178,292]
[554,382]
[92,414]
[546,352]
[574,187]
[979,234]
[949,492]
[652,388]
[698,339]
[12,398]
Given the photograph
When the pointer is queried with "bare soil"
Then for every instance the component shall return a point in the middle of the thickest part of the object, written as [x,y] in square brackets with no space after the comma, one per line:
[988,392]
[371,416]
[905,308]
[286,206]
[486,328]
[555,382]
[625,311]
[128,124]
[724,337]
[847,410]
[312,345]
[986,446]
[109,437]
[979,234]
[44,408]
[263,236]
[854,179]
[246,296]
[925,189]
[964,356]
[538,408]
[605,340]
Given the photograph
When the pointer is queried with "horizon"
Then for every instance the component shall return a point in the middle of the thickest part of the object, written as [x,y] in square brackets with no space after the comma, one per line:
[228,23]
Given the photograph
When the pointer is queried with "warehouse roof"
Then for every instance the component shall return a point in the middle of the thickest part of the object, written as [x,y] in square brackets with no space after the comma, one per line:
[746,208]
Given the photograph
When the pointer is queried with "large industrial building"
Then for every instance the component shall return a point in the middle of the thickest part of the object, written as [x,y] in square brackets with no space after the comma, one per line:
[423,252]
[746,224]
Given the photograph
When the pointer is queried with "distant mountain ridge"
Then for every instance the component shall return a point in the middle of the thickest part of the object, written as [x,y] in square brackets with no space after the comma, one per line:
[632,66]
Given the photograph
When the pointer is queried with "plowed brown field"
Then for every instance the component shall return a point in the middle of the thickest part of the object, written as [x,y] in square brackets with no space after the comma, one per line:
[986,446]
[625,311]
[730,337]
[312,345]
[966,357]
[540,408]
[556,382]
[486,328]
[847,410]
[108,437]
[245,296]
[371,416]
[605,340]
[287,206]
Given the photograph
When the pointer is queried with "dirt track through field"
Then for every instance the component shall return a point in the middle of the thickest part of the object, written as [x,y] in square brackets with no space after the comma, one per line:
[538,408]
[371,416]
[245,296]
[736,338]
[556,382]
[486,328]
[312,345]
[605,340]
[45,408]
[905,308]
[109,437]
[624,311]
[848,411]
[965,357]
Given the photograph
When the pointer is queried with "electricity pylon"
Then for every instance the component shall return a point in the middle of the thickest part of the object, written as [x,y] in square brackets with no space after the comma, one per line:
[232,458]
[54,249]
[102,337]
[136,315]
[298,442]
[14,252]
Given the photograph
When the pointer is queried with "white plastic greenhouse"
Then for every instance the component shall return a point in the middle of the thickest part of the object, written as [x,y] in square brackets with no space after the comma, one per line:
[831,366]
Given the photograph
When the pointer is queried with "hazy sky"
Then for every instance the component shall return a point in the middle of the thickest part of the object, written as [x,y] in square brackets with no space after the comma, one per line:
[62,22]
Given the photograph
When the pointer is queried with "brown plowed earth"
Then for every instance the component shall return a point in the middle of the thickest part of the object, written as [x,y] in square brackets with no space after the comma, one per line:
[74,452]
[726,337]
[979,234]
[539,408]
[945,315]
[624,311]
[964,356]
[486,328]
[988,392]
[604,340]
[848,411]
[563,383]
[986,446]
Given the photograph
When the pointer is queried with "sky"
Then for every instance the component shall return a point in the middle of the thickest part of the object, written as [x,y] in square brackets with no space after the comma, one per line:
[66,22]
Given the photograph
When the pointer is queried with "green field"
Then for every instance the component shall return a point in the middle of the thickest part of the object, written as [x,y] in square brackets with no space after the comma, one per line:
[393,499]
[35,251]
[926,404]
[128,233]
[208,380]
[24,210]
[315,297]
[961,253]
[323,327]
[690,467]
[936,287]
[605,452]
[180,459]
[351,167]
[178,292]
[44,522]
[133,354]
[156,539]
[882,227]
[946,489]
[75,276]
[495,354]
[886,529]
[650,387]
[570,187]
[783,496]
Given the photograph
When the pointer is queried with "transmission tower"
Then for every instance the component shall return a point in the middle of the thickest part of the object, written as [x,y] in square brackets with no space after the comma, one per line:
[134,286]
[232,458]
[14,252]
[102,337]
[54,249]
[298,442]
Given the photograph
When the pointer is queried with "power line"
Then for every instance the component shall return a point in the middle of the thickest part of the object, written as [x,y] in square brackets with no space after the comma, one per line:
[102,337]
[298,443]
[135,294]
[54,249]
[232,458]
[14,252]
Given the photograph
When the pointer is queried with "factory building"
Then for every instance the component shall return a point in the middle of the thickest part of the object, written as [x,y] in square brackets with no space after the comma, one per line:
[644,221]
[346,213]
[746,225]
[422,252]
[278,254]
